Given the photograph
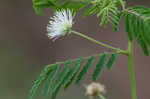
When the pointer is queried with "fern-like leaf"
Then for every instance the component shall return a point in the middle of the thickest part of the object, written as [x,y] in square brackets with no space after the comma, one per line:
[110,14]
[58,4]
[57,84]
[107,10]
[50,80]
[75,5]
[85,69]
[99,67]
[42,78]
[89,11]
[55,90]
[70,77]
[38,4]
[111,61]
[137,26]
[67,74]
[143,45]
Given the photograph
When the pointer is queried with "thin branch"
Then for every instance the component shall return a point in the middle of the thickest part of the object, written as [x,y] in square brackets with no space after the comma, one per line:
[101,44]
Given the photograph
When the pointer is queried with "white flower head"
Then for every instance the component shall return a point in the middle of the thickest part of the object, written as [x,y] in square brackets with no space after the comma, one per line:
[94,89]
[60,23]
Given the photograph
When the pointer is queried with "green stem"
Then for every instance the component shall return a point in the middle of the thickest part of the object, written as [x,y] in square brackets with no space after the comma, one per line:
[131,70]
[101,96]
[100,43]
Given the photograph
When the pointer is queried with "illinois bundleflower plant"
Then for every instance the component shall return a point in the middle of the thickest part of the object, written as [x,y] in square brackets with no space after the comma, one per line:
[137,23]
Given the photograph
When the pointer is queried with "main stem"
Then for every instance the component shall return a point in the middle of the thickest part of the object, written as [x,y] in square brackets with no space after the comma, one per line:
[131,69]
[100,43]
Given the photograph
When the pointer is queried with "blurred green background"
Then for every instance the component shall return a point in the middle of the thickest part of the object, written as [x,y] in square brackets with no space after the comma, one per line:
[25,50]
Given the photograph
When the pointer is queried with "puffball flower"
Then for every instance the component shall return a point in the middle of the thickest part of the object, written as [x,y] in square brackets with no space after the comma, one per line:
[94,89]
[60,24]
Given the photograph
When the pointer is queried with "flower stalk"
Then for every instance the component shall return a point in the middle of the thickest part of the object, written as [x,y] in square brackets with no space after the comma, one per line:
[100,43]
[101,96]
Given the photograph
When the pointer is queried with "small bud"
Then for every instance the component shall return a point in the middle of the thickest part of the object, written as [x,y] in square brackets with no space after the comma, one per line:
[94,89]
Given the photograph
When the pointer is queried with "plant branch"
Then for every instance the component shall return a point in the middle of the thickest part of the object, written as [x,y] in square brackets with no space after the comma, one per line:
[100,43]
[131,70]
